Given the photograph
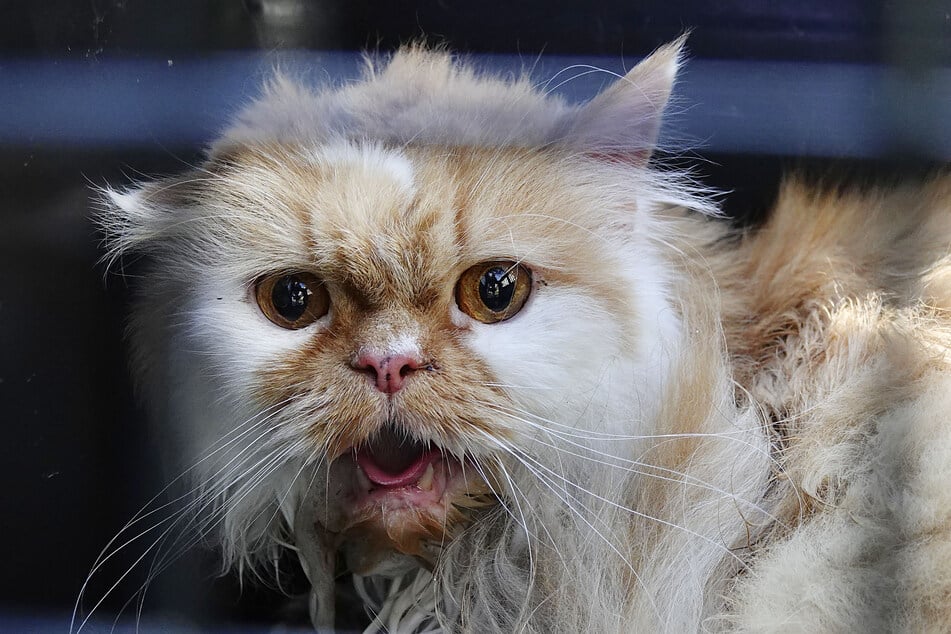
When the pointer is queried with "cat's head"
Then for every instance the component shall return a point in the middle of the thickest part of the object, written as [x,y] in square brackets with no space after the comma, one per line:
[385,309]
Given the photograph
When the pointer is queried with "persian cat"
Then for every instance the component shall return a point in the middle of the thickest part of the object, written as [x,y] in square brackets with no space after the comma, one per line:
[466,342]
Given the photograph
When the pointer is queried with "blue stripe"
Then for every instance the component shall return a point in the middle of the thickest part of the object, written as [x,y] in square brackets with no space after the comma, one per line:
[784,108]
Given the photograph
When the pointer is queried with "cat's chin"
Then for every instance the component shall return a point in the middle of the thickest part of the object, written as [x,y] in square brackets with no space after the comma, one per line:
[398,499]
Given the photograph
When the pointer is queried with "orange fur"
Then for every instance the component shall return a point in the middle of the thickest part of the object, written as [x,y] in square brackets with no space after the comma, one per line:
[835,317]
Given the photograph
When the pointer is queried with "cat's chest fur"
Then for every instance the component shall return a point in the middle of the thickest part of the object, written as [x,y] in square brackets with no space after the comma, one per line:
[463,340]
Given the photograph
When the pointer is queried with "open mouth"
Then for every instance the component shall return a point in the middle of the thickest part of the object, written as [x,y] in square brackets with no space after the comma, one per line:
[401,494]
[392,461]
[394,472]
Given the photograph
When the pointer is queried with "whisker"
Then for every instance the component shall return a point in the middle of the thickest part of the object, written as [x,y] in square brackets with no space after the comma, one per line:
[200,528]
[627,509]
[567,498]
[632,465]
[105,555]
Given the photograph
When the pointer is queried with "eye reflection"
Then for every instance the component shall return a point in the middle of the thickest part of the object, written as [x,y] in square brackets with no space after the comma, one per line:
[497,286]
[290,297]
[292,300]
[493,291]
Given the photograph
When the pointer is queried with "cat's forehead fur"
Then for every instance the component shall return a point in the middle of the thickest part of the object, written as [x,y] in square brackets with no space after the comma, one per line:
[385,223]
[418,99]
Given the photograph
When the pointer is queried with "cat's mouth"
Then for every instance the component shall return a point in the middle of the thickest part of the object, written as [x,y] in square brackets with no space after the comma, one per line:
[392,462]
[398,493]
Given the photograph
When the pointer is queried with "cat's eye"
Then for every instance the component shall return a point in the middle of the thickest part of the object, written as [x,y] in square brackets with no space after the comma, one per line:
[493,291]
[292,300]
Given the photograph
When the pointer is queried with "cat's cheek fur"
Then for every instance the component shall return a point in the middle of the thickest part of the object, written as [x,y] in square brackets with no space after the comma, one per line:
[223,341]
[226,326]
[566,359]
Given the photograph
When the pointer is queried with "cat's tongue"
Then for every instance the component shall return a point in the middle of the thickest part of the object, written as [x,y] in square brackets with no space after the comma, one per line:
[391,461]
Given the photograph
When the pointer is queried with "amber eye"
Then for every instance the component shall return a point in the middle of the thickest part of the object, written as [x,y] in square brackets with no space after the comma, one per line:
[493,291]
[292,300]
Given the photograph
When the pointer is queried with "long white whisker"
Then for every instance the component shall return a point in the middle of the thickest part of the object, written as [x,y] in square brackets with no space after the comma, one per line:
[142,514]
[636,466]
[203,527]
[567,498]
[627,509]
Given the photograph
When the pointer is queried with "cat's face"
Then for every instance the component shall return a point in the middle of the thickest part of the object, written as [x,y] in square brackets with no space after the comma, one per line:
[383,339]
[412,319]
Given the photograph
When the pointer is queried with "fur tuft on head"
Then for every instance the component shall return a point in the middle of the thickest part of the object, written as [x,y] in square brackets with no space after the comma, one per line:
[422,96]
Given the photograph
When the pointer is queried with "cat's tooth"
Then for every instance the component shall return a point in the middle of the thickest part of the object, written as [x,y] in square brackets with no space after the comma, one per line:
[363,480]
[426,482]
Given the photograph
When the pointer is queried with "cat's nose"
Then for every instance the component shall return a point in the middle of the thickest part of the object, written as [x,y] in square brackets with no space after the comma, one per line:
[388,371]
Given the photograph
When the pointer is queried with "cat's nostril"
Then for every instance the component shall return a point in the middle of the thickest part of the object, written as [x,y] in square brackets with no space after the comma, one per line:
[388,371]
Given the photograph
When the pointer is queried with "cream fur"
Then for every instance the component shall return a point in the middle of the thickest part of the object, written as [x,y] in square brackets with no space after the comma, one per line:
[689,429]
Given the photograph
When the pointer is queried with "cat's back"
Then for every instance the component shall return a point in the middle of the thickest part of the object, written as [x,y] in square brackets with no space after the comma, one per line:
[880,239]
[836,312]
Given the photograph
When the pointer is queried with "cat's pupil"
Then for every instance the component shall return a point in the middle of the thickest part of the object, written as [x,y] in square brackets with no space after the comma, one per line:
[289,297]
[496,287]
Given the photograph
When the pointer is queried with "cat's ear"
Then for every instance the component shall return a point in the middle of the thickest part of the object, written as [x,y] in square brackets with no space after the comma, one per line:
[622,123]
[136,219]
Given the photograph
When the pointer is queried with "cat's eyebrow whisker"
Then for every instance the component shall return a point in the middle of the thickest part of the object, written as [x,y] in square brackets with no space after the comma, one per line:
[174,184]
[586,70]
[564,221]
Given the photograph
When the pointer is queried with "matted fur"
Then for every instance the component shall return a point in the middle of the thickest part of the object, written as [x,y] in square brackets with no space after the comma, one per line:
[685,428]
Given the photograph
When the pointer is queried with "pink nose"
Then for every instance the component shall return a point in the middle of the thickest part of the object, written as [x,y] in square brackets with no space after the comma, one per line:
[388,371]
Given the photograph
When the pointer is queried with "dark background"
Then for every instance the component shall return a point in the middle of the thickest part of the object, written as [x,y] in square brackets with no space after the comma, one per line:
[76,458]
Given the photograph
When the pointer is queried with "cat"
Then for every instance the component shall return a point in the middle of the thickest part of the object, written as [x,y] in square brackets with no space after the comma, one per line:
[470,343]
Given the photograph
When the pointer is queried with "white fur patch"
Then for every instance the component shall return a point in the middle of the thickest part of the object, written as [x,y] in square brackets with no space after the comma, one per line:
[371,157]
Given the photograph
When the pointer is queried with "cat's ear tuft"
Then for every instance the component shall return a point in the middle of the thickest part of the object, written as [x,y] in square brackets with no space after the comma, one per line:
[119,219]
[133,219]
[622,123]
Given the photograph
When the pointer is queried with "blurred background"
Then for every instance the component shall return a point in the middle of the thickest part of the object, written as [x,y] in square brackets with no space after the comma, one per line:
[109,91]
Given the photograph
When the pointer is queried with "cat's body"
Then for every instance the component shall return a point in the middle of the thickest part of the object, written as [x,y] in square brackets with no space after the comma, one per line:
[667,425]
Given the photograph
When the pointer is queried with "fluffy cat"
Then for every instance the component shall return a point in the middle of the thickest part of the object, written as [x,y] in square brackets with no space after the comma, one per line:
[462,339]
